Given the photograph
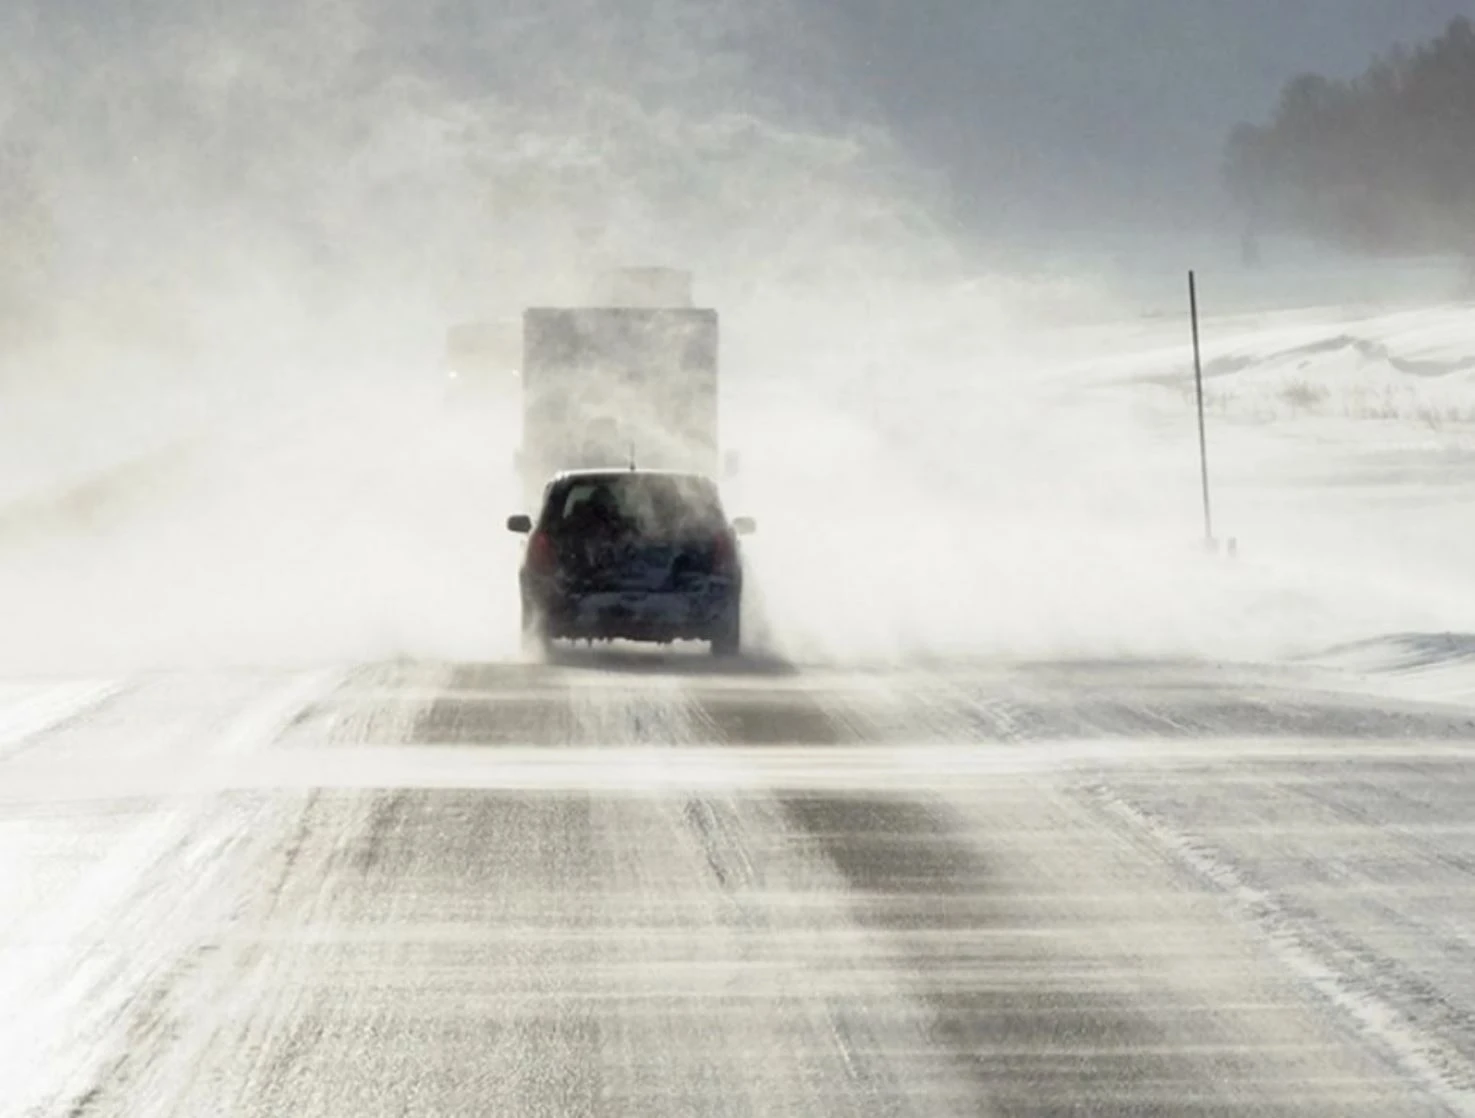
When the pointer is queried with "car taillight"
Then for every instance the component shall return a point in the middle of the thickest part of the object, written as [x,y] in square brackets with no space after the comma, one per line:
[724,554]
[541,559]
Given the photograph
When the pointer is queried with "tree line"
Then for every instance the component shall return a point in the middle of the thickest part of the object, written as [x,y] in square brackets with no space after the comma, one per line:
[1383,163]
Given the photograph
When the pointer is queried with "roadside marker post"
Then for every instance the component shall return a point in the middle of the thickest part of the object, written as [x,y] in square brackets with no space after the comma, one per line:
[1198,381]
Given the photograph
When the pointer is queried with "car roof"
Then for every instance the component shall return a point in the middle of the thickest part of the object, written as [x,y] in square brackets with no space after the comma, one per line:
[612,472]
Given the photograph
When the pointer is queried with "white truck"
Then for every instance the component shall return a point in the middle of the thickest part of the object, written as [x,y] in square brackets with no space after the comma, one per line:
[628,380]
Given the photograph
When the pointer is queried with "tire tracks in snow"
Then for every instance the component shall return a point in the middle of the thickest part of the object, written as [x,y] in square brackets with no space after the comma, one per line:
[744,841]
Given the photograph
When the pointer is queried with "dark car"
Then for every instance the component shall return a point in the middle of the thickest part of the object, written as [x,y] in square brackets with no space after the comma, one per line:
[639,555]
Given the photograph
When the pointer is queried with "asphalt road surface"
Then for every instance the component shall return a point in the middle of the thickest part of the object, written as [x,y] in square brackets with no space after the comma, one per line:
[636,884]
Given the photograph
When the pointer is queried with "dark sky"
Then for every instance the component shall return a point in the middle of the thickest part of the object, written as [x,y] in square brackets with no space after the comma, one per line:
[1079,110]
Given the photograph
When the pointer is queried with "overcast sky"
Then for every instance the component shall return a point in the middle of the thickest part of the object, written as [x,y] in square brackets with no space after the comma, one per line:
[1040,115]
[1099,107]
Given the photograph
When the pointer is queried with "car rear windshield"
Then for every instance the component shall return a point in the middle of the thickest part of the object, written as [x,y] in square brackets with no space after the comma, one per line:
[653,506]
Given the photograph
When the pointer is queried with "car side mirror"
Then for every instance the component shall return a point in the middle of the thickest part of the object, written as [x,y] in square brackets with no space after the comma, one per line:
[520,524]
[744,525]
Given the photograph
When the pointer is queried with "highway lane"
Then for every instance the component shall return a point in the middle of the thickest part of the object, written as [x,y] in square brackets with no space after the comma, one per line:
[636,884]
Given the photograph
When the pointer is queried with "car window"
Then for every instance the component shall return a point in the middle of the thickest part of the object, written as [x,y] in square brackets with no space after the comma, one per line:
[578,499]
[660,507]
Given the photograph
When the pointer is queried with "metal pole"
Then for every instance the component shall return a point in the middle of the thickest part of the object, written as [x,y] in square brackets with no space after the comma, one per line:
[1198,380]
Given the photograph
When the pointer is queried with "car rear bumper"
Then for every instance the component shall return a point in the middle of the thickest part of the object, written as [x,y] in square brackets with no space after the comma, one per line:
[642,616]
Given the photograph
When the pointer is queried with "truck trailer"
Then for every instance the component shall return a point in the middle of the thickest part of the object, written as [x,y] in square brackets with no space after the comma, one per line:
[630,382]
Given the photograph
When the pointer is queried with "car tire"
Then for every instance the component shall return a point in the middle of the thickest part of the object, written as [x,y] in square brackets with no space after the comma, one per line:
[728,642]
[535,638]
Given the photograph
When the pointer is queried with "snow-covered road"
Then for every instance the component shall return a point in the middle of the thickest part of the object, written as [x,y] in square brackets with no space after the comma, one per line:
[634,885]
